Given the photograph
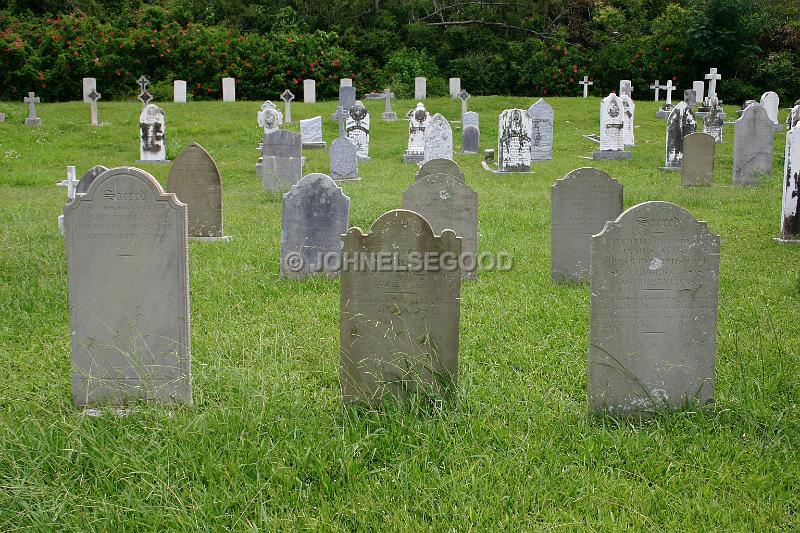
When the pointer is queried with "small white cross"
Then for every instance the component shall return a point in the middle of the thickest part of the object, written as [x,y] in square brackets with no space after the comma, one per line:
[656,87]
[669,87]
[585,82]
[712,76]
[70,183]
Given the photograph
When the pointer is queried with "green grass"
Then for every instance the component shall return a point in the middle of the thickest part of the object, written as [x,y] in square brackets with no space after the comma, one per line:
[268,444]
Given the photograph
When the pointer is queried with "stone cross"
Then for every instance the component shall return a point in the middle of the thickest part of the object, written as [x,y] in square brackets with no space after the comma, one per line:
[341,115]
[712,78]
[145,98]
[387,98]
[287,98]
[463,96]
[94,96]
[669,87]
[143,83]
[625,88]
[32,100]
[70,183]
[585,82]
[656,87]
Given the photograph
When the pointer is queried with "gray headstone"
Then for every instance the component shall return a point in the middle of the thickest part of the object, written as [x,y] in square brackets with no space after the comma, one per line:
[398,326]
[698,160]
[344,159]
[690,97]
[88,178]
[315,216]
[514,141]
[714,121]
[347,96]
[699,90]
[471,140]
[309,91]
[128,280]
[681,122]
[446,202]
[281,162]
[653,312]
[471,118]
[752,146]
[311,133]
[152,131]
[438,139]
[541,115]
[580,204]
[440,166]
[32,119]
[194,179]
[790,210]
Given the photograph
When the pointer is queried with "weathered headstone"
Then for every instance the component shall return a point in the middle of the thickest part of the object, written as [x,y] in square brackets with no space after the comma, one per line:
[447,202]
[440,166]
[344,159]
[790,208]
[228,89]
[346,82]
[420,88]
[698,160]
[287,96]
[753,135]
[541,115]
[311,133]
[281,161]
[628,119]
[357,129]
[388,115]
[793,118]
[315,216]
[309,91]
[612,122]
[699,91]
[127,270]
[269,117]
[771,103]
[470,140]
[580,204]
[653,312]
[418,119]
[347,97]
[625,88]
[681,122]
[455,87]
[438,139]
[88,178]
[514,141]
[32,119]
[89,85]
[690,97]
[179,91]
[714,121]
[586,83]
[194,179]
[418,307]
[152,133]
[94,96]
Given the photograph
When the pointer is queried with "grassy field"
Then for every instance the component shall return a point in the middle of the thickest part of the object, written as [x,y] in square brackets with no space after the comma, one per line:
[268,444]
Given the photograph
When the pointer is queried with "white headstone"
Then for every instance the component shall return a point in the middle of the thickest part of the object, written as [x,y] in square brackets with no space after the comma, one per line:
[152,130]
[357,129]
[629,115]
[228,89]
[790,212]
[418,119]
[311,132]
[712,78]
[179,91]
[89,85]
[346,82]
[309,91]
[455,87]
[612,123]
[699,90]
[771,103]
[438,139]
[514,141]
[269,117]
[420,88]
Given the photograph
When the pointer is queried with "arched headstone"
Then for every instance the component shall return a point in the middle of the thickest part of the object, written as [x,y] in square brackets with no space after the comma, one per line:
[195,180]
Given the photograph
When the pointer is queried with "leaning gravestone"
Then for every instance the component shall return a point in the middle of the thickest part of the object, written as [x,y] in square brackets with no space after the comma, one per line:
[628,118]
[752,146]
[790,209]
[440,166]
[399,327]
[514,141]
[127,268]
[698,160]
[281,161]
[541,115]
[88,178]
[357,129]
[438,139]
[194,179]
[315,216]
[153,129]
[681,122]
[771,103]
[612,142]
[580,204]
[344,159]
[311,133]
[446,202]
[418,119]
[653,312]
[714,121]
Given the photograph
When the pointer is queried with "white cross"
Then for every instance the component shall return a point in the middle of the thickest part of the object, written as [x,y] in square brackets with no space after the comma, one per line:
[463,95]
[287,98]
[585,82]
[70,183]
[94,96]
[669,89]
[656,87]
[712,76]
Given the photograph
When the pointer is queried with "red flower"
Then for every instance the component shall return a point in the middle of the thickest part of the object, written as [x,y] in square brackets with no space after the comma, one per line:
[41,75]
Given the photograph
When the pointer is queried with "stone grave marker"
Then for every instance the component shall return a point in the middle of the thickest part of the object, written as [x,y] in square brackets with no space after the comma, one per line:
[71,184]
[347,97]
[667,108]
[541,115]
[144,96]
[94,96]
[418,119]
[657,87]
[470,140]
[89,85]
[625,88]
[228,89]
[420,88]
[699,91]
[419,307]
[32,119]
[698,160]
[179,91]
[357,129]
[612,122]
[690,97]
[628,119]
[440,166]
[438,139]
[315,216]
[88,178]
[287,96]
[790,205]
[388,115]
[753,135]
[309,91]
[446,202]
[281,162]
[713,77]
[128,279]
[771,103]
[346,82]
[344,159]
[470,118]
[514,141]
[462,97]
[580,204]
[311,134]
[152,132]
[714,121]
[269,117]
[793,118]
[455,87]
[586,83]
[653,312]
[194,179]
[681,122]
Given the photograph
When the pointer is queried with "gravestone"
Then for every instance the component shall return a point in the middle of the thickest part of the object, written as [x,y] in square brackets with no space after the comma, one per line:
[94,96]
[455,87]
[771,103]
[144,96]
[438,139]
[399,327]
[625,89]
[388,115]
[344,159]
[699,91]
[357,129]
[541,115]
[281,161]
[347,97]
[470,118]
[470,140]
[315,216]
[440,166]
[71,184]
[628,118]
[667,108]
[514,141]
[152,135]
[712,78]
[311,134]
[287,96]
[790,208]
[89,85]
[580,204]
[698,160]
[269,117]
[228,89]
[346,82]
[753,135]
[657,87]
[32,119]
[128,279]
[653,312]
[194,179]
[462,97]
[446,202]
[612,122]
[690,97]
[418,119]
[585,82]
[420,88]
[309,91]
[88,178]
[179,91]
[681,122]
[793,118]
[714,120]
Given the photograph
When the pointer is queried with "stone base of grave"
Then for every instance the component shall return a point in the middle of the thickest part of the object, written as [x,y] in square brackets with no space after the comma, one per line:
[610,155]
[486,167]
[224,238]
[413,157]
[670,169]
[345,178]
[663,113]
[33,122]
[468,152]
[154,161]
[315,146]
[389,117]
[786,241]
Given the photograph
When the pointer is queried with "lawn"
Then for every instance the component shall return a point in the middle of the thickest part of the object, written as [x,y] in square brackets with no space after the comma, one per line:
[268,444]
